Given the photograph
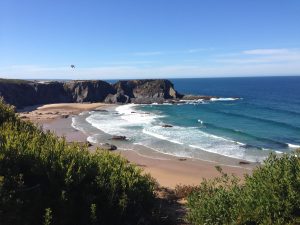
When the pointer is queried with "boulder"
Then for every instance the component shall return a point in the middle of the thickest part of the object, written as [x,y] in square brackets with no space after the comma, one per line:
[108,146]
[84,143]
[116,137]
[89,144]
[167,125]
[244,162]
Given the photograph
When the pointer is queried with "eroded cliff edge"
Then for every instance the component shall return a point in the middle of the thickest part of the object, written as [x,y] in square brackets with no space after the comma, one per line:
[26,93]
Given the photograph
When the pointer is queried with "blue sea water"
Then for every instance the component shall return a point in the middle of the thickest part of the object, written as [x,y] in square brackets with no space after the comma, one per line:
[264,118]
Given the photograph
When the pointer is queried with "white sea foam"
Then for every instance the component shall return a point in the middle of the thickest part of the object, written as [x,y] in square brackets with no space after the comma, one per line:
[239,143]
[75,125]
[83,113]
[124,122]
[146,129]
[279,152]
[193,102]
[91,139]
[195,138]
[200,121]
[223,99]
[129,114]
[293,145]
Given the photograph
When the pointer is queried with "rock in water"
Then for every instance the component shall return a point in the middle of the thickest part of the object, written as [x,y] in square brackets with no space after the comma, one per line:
[116,137]
[167,125]
[244,163]
[108,146]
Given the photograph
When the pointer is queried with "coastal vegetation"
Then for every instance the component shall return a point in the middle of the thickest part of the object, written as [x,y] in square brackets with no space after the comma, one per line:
[44,180]
[271,195]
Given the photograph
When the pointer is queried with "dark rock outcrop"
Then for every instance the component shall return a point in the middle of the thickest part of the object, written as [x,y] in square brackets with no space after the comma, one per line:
[143,91]
[26,93]
[197,97]
[120,138]
[88,91]
[108,146]
[167,125]
[22,94]
[117,98]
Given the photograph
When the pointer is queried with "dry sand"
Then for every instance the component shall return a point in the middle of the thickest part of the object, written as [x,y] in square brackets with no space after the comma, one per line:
[173,171]
[44,113]
[167,170]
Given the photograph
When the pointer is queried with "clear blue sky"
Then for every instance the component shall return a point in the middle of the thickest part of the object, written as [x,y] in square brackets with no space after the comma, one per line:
[149,38]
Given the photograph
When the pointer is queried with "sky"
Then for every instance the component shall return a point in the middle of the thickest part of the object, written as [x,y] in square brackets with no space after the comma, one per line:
[123,39]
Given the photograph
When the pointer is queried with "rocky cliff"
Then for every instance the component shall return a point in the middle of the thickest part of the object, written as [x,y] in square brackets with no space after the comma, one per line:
[88,91]
[143,91]
[26,93]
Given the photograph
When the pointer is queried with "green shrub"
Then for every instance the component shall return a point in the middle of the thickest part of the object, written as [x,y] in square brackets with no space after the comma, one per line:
[44,180]
[271,195]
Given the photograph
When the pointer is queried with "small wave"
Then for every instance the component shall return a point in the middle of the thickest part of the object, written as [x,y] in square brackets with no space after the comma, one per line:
[279,152]
[133,116]
[192,102]
[159,136]
[223,99]
[253,137]
[293,145]
[146,128]
[200,121]
[263,120]
[75,125]
[91,139]
[83,113]
[192,136]
[280,110]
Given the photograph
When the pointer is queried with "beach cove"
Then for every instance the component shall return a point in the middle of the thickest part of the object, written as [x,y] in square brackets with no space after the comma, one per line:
[168,170]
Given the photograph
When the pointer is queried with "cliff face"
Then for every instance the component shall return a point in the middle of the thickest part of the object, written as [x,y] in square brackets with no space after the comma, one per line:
[88,91]
[143,91]
[25,93]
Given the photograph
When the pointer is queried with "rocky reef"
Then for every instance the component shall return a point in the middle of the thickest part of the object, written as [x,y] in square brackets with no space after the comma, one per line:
[22,93]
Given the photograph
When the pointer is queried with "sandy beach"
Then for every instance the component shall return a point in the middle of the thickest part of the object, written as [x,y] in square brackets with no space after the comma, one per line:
[43,113]
[168,170]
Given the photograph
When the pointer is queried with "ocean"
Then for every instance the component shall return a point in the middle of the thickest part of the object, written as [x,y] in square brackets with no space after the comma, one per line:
[253,117]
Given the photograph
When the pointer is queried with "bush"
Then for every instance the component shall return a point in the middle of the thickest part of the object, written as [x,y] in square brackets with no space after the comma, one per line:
[44,180]
[271,195]
[182,191]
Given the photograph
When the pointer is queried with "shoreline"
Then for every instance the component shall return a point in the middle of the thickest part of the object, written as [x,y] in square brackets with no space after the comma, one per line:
[168,170]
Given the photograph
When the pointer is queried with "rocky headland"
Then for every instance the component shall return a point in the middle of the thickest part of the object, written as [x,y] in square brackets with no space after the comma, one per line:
[21,93]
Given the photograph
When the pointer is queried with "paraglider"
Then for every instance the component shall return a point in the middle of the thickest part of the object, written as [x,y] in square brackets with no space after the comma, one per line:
[73,66]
